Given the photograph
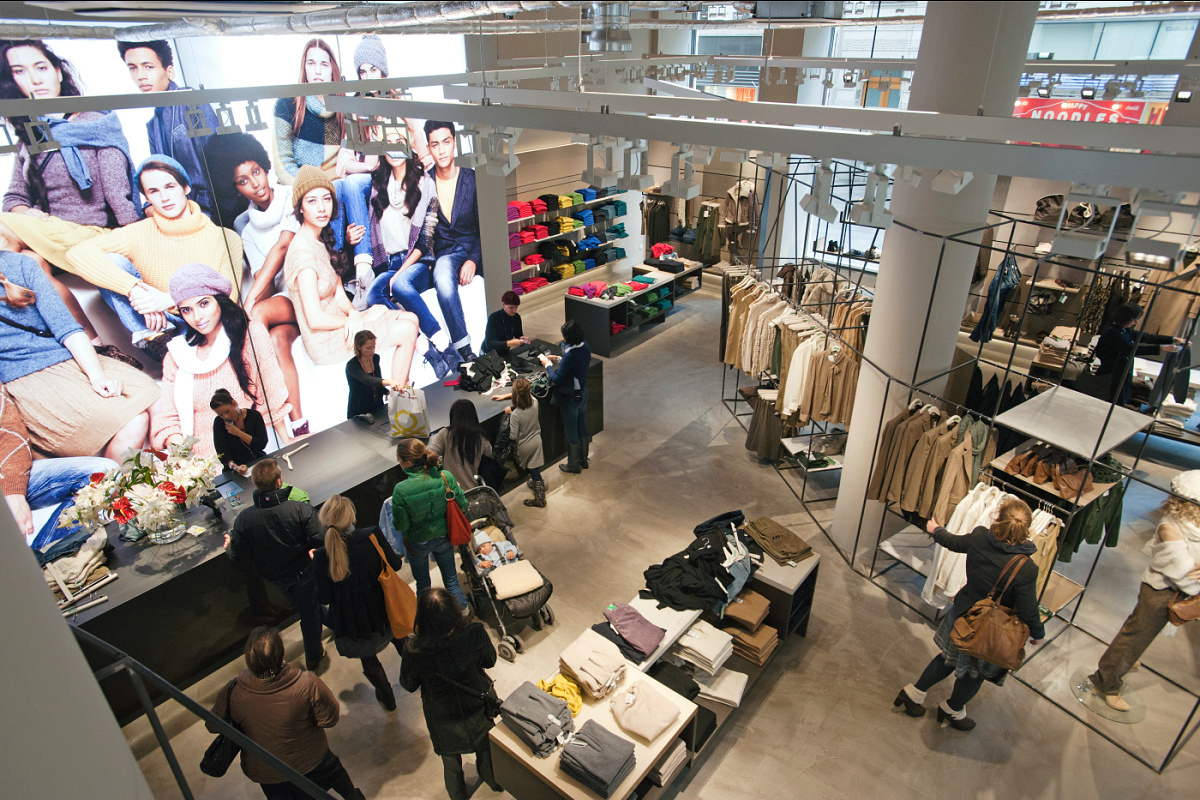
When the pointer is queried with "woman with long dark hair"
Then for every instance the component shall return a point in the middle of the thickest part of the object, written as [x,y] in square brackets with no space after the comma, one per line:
[308,134]
[58,198]
[1116,349]
[447,659]
[328,321]
[239,434]
[462,444]
[347,570]
[220,349]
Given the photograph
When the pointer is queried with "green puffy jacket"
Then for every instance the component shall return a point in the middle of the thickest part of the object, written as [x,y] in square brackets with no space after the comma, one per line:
[419,504]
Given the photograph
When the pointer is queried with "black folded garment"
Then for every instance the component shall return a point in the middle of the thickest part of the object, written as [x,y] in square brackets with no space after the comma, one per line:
[675,679]
[666,264]
[597,758]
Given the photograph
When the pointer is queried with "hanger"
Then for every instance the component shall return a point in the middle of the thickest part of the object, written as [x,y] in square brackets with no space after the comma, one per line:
[953,420]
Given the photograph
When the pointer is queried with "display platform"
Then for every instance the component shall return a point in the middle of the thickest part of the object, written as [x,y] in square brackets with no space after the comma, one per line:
[183,609]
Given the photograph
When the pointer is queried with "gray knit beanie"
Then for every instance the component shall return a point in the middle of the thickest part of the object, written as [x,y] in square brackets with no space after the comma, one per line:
[370,51]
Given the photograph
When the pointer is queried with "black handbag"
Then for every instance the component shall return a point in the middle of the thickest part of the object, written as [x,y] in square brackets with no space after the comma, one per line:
[491,701]
[223,750]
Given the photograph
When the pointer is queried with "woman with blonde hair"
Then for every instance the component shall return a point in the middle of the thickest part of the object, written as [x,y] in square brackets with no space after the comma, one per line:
[368,387]
[347,570]
[1173,572]
[989,551]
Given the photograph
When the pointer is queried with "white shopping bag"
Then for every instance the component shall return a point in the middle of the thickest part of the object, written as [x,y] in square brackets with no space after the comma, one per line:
[406,410]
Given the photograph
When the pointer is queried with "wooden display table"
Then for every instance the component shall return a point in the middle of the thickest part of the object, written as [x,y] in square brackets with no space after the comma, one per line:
[527,777]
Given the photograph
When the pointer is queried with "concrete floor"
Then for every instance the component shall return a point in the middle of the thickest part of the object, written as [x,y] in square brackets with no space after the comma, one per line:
[820,723]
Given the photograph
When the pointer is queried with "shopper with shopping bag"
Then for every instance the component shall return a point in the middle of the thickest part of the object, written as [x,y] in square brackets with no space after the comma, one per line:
[348,572]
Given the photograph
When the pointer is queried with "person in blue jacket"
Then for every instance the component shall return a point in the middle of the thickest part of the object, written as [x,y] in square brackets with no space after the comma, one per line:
[152,69]
[570,393]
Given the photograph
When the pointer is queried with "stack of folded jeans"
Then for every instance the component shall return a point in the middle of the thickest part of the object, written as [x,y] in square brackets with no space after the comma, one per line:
[594,663]
[704,646]
[537,718]
[597,758]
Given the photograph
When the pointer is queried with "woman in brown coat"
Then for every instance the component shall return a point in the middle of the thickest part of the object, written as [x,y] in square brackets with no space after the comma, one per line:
[286,710]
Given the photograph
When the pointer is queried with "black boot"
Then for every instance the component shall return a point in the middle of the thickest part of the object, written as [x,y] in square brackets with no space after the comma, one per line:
[539,495]
[383,688]
[572,465]
[466,353]
[583,451]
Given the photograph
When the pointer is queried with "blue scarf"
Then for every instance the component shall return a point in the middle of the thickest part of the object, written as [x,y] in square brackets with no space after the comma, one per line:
[103,132]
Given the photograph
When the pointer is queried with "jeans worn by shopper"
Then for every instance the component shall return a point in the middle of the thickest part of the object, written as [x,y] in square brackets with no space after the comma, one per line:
[441,274]
[456,782]
[1006,279]
[54,481]
[134,322]
[574,417]
[301,590]
[443,553]
[329,774]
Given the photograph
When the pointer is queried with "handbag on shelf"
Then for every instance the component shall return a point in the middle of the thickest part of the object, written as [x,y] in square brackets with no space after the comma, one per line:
[992,632]
[458,527]
[223,750]
[398,597]
[1185,609]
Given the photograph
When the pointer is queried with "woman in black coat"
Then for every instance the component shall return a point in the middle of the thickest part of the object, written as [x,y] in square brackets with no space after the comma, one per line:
[368,387]
[570,393]
[347,571]
[988,551]
[1116,349]
[445,658]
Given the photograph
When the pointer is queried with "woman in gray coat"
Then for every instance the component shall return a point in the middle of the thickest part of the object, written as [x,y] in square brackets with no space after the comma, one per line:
[526,431]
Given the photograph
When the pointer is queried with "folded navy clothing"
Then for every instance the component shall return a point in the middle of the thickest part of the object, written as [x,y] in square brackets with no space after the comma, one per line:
[631,653]
[597,758]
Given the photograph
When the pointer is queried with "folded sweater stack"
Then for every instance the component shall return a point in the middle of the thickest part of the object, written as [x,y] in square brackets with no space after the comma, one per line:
[777,541]
[597,758]
[749,610]
[537,718]
[754,647]
[593,662]
[643,711]
[704,646]
[726,687]
[663,773]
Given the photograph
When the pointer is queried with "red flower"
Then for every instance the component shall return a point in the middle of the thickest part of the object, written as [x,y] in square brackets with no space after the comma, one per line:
[161,455]
[123,509]
[176,493]
[97,477]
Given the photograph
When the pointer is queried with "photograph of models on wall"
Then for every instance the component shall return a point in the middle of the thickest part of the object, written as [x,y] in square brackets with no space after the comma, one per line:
[145,271]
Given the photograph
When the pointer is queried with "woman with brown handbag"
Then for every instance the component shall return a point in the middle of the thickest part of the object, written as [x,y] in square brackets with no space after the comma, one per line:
[1172,575]
[347,570]
[988,551]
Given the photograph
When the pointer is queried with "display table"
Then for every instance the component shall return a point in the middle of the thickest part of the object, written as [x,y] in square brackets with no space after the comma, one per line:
[596,316]
[527,777]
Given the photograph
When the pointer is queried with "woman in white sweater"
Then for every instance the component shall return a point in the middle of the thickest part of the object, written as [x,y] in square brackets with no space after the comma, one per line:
[1173,572]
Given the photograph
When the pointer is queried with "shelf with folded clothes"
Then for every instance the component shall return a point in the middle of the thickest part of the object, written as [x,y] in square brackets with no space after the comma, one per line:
[603,225]
[540,267]
[1097,491]
[568,209]
[798,451]
[575,280]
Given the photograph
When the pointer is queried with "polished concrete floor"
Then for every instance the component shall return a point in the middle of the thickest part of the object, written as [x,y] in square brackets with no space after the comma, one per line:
[820,724]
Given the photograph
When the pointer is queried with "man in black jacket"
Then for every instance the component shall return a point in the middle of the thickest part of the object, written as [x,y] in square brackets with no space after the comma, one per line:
[277,535]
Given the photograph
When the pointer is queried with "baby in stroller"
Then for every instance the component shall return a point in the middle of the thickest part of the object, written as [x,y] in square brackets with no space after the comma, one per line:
[489,554]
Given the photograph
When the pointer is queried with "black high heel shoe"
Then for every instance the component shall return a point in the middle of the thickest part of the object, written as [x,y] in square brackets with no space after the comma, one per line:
[910,708]
[964,724]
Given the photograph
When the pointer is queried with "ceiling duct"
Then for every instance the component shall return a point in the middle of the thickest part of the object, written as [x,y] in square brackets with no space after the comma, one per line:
[610,29]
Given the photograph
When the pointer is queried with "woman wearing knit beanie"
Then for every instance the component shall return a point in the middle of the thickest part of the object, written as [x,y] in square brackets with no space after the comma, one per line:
[133,265]
[220,349]
[328,321]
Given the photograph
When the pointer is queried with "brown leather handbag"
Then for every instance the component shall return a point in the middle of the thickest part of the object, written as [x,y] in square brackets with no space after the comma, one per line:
[1184,608]
[992,632]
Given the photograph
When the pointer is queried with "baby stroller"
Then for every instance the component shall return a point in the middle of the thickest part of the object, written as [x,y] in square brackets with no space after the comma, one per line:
[485,508]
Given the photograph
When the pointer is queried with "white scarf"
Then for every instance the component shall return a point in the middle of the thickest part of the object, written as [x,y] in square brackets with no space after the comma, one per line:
[269,219]
[190,365]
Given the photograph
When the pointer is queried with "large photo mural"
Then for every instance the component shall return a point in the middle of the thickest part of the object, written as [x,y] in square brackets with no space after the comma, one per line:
[157,285]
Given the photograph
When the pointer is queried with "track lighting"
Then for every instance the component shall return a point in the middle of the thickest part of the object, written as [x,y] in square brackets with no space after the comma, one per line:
[1183,96]
[873,210]
[951,181]
[1044,91]
[817,202]
[635,179]
[1088,93]
[683,172]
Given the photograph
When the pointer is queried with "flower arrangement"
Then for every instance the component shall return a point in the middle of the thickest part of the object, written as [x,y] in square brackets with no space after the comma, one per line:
[145,489]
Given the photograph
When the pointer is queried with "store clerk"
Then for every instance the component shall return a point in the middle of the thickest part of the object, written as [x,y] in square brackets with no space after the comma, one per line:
[504,331]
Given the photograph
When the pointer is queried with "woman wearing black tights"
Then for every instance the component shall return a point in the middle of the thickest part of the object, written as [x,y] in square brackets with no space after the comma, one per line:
[988,551]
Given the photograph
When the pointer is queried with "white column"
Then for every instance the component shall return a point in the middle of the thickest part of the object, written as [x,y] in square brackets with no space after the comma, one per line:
[59,738]
[490,194]
[971,57]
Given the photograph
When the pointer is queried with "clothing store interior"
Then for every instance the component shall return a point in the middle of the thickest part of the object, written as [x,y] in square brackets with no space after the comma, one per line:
[845,348]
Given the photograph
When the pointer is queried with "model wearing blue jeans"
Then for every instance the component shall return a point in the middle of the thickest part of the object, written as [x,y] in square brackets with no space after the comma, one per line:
[134,322]
[441,274]
[55,481]
[353,192]
[443,553]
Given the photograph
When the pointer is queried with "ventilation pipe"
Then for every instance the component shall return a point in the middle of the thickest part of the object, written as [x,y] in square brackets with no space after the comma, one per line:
[610,29]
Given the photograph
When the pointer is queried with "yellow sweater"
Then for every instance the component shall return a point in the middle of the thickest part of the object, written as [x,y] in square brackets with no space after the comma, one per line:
[158,246]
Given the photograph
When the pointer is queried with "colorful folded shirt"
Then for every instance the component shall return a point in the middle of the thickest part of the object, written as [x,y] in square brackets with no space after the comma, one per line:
[538,205]
[636,286]
[533,259]
[565,201]
[661,248]
[577,198]
[577,291]
[588,193]
[616,327]
[564,270]
[579,266]
[514,265]
[541,231]
[514,240]
[514,211]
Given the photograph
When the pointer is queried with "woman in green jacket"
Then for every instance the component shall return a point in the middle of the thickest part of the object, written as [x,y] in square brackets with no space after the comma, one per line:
[419,514]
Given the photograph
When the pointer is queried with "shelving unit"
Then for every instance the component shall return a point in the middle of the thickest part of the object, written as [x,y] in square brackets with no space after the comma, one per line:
[596,315]
[796,448]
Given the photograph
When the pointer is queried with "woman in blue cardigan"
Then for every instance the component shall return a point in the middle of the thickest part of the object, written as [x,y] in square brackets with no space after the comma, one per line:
[570,393]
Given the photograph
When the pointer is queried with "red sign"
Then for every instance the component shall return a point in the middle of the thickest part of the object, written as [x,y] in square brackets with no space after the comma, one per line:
[1079,110]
